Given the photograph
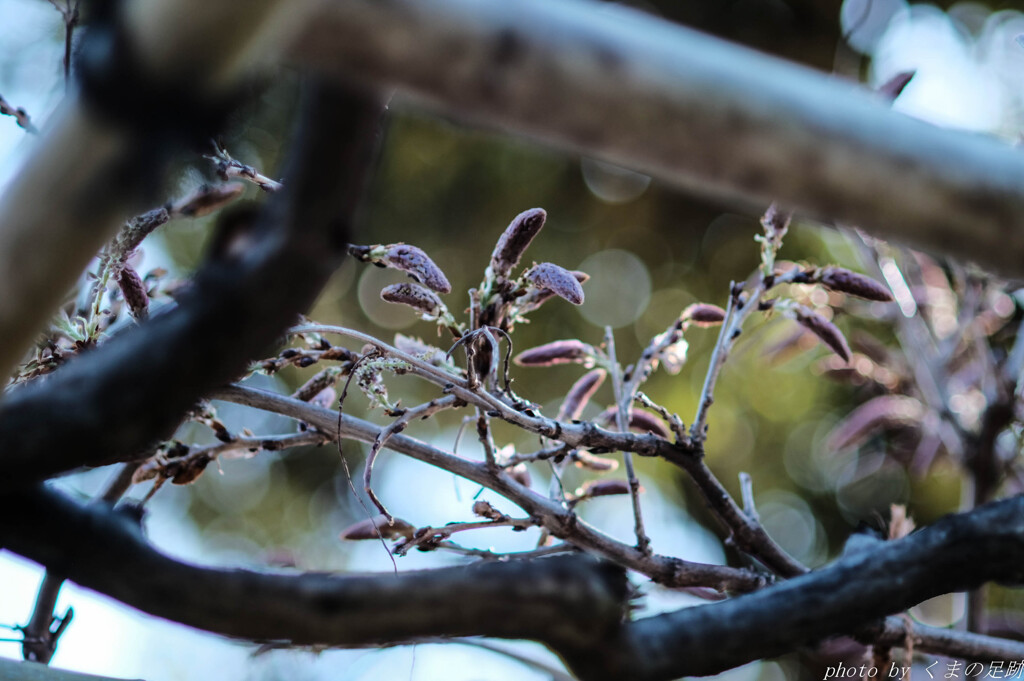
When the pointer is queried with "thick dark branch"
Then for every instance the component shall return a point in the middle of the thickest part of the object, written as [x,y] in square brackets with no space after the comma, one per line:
[573,604]
[88,173]
[957,553]
[563,600]
[111,403]
[688,108]
[948,642]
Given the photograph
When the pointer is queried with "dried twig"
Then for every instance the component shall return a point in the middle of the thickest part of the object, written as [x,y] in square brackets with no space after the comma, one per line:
[623,400]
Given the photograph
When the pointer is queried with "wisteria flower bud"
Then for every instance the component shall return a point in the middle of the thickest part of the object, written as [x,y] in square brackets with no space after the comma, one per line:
[558,280]
[207,199]
[535,297]
[556,352]
[602,488]
[845,281]
[515,239]
[368,528]
[415,296]
[825,330]
[579,395]
[885,411]
[594,462]
[704,314]
[639,420]
[409,259]
[134,291]
[776,220]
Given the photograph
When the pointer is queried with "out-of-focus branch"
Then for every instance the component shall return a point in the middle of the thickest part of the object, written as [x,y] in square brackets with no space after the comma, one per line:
[573,604]
[688,108]
[948,642]
[957,553]
[111,403]
[573,599]
[31,671]
[89,172]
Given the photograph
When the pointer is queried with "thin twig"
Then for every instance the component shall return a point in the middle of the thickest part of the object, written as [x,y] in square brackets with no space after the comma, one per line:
[40,636]
[623,401]
[426,536]
[422,411]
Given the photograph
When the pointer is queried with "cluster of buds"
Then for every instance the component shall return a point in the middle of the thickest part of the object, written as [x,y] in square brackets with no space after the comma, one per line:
[500,301]
[506,301]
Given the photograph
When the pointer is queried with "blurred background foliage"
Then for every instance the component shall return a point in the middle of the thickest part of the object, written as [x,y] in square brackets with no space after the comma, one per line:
[651,250]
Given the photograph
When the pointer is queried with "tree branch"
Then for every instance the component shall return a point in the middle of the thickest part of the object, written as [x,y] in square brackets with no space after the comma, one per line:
[101,168]
[957,553]
[573,604]
[690,109]
[572,599]
[558,520]
[109,404]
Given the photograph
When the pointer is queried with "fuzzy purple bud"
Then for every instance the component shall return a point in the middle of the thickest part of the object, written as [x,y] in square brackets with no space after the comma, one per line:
[602,488]
[639,420]
[579,395]
[415,262]
[415,296]
[846,281]
[825,330]
[776,220]
[884,411]
[515,239]
[704,314]
[536,297]
[556,352]
[558,280]
[134,291]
